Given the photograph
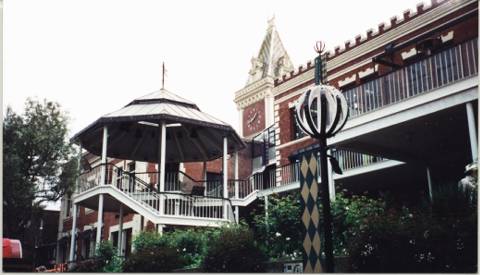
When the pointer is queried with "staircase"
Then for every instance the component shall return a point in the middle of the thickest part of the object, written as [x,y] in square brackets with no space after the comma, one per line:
[139,194]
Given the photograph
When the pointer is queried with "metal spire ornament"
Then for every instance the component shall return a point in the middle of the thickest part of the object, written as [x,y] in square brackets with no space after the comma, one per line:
[321,112]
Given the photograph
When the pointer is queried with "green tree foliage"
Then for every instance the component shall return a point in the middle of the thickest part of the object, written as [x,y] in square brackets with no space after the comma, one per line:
[38,164]
[234,250]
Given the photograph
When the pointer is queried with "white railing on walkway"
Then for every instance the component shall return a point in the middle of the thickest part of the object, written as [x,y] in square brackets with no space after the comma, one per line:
[440,69]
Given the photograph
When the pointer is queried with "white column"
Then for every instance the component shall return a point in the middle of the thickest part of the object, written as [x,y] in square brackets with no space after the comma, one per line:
[237,214]
[430,189]
[225,177]
[159,228]
[104,155]
[99,220]
[331,182]
[472,131]
[240,122]
[102,181]
[74,229]
[161,165]
[120,230]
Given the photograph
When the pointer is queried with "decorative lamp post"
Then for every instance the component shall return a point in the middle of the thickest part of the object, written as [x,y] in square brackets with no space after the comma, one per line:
[321,112]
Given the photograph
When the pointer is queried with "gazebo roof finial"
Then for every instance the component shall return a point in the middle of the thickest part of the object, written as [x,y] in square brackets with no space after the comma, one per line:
[164,72]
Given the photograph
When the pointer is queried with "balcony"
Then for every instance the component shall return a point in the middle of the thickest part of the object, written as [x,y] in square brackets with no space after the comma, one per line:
[436,71]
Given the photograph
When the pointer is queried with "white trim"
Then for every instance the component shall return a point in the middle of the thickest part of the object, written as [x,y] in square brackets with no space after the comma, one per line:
[447,37]
[347,80]
[409,53]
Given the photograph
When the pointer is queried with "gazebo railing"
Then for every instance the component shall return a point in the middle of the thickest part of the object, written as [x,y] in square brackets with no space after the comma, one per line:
[143,190]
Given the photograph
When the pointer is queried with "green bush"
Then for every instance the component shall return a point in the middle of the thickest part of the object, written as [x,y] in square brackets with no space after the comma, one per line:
[280,235]
[154,259]
[234,250]
[192,245]
[147,239]
[91,265]
[105,260]
[415,241]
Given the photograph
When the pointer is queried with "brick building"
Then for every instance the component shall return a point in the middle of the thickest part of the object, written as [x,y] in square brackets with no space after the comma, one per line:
[412,90]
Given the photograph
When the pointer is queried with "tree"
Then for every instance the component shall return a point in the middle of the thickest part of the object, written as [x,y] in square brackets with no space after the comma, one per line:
[38,162]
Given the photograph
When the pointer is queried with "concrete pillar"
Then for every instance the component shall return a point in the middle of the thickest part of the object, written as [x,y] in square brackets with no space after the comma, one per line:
[225,177]
[472,131]
[99,220]
[429,182]
[74,229]
[120,230]
[331,182]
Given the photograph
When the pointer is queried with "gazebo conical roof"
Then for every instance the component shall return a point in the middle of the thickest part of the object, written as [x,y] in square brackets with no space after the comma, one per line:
[134,132]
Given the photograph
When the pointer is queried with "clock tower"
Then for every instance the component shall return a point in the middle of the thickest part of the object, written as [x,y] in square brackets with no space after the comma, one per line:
[255,100]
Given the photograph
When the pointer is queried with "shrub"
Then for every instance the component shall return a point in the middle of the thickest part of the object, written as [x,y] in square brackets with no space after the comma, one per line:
[147,239]
[280,235]
[415,241]
[234,250]
[91,265]
[105,260]
[154,259]
[192,245]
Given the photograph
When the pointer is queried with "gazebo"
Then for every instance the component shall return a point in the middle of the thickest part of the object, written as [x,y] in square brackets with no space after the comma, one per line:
[160,127]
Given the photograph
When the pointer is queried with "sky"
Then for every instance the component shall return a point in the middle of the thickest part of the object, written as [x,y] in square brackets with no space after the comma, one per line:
[94,57]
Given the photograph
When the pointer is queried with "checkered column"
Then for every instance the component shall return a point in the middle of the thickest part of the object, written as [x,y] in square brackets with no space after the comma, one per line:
[310,214]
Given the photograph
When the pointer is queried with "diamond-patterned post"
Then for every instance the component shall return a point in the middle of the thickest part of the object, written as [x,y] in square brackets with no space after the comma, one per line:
[321,112]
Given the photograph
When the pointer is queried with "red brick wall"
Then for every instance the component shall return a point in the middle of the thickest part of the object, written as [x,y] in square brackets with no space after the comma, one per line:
[195,169]
[463,31]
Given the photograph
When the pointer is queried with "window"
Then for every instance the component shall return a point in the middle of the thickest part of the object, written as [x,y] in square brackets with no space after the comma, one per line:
[297,132]
[68,208]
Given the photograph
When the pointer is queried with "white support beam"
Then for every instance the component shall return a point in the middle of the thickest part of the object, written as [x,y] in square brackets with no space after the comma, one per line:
[161,164]
[104,155]
[99,220]
[331,181]
[225,177]
[120,231]
[472,133]
[74,229]
[237,214]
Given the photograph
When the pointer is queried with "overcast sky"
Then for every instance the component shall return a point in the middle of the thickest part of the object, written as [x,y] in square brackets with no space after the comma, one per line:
[94,57]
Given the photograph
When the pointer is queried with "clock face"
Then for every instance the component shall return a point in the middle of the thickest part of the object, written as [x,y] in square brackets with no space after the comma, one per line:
[253,119]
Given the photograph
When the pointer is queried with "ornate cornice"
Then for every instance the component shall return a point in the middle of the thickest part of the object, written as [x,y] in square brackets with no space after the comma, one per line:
[253,92]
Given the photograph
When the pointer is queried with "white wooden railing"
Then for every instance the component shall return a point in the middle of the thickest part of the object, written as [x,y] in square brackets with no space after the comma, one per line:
[438,70]
[141,187]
